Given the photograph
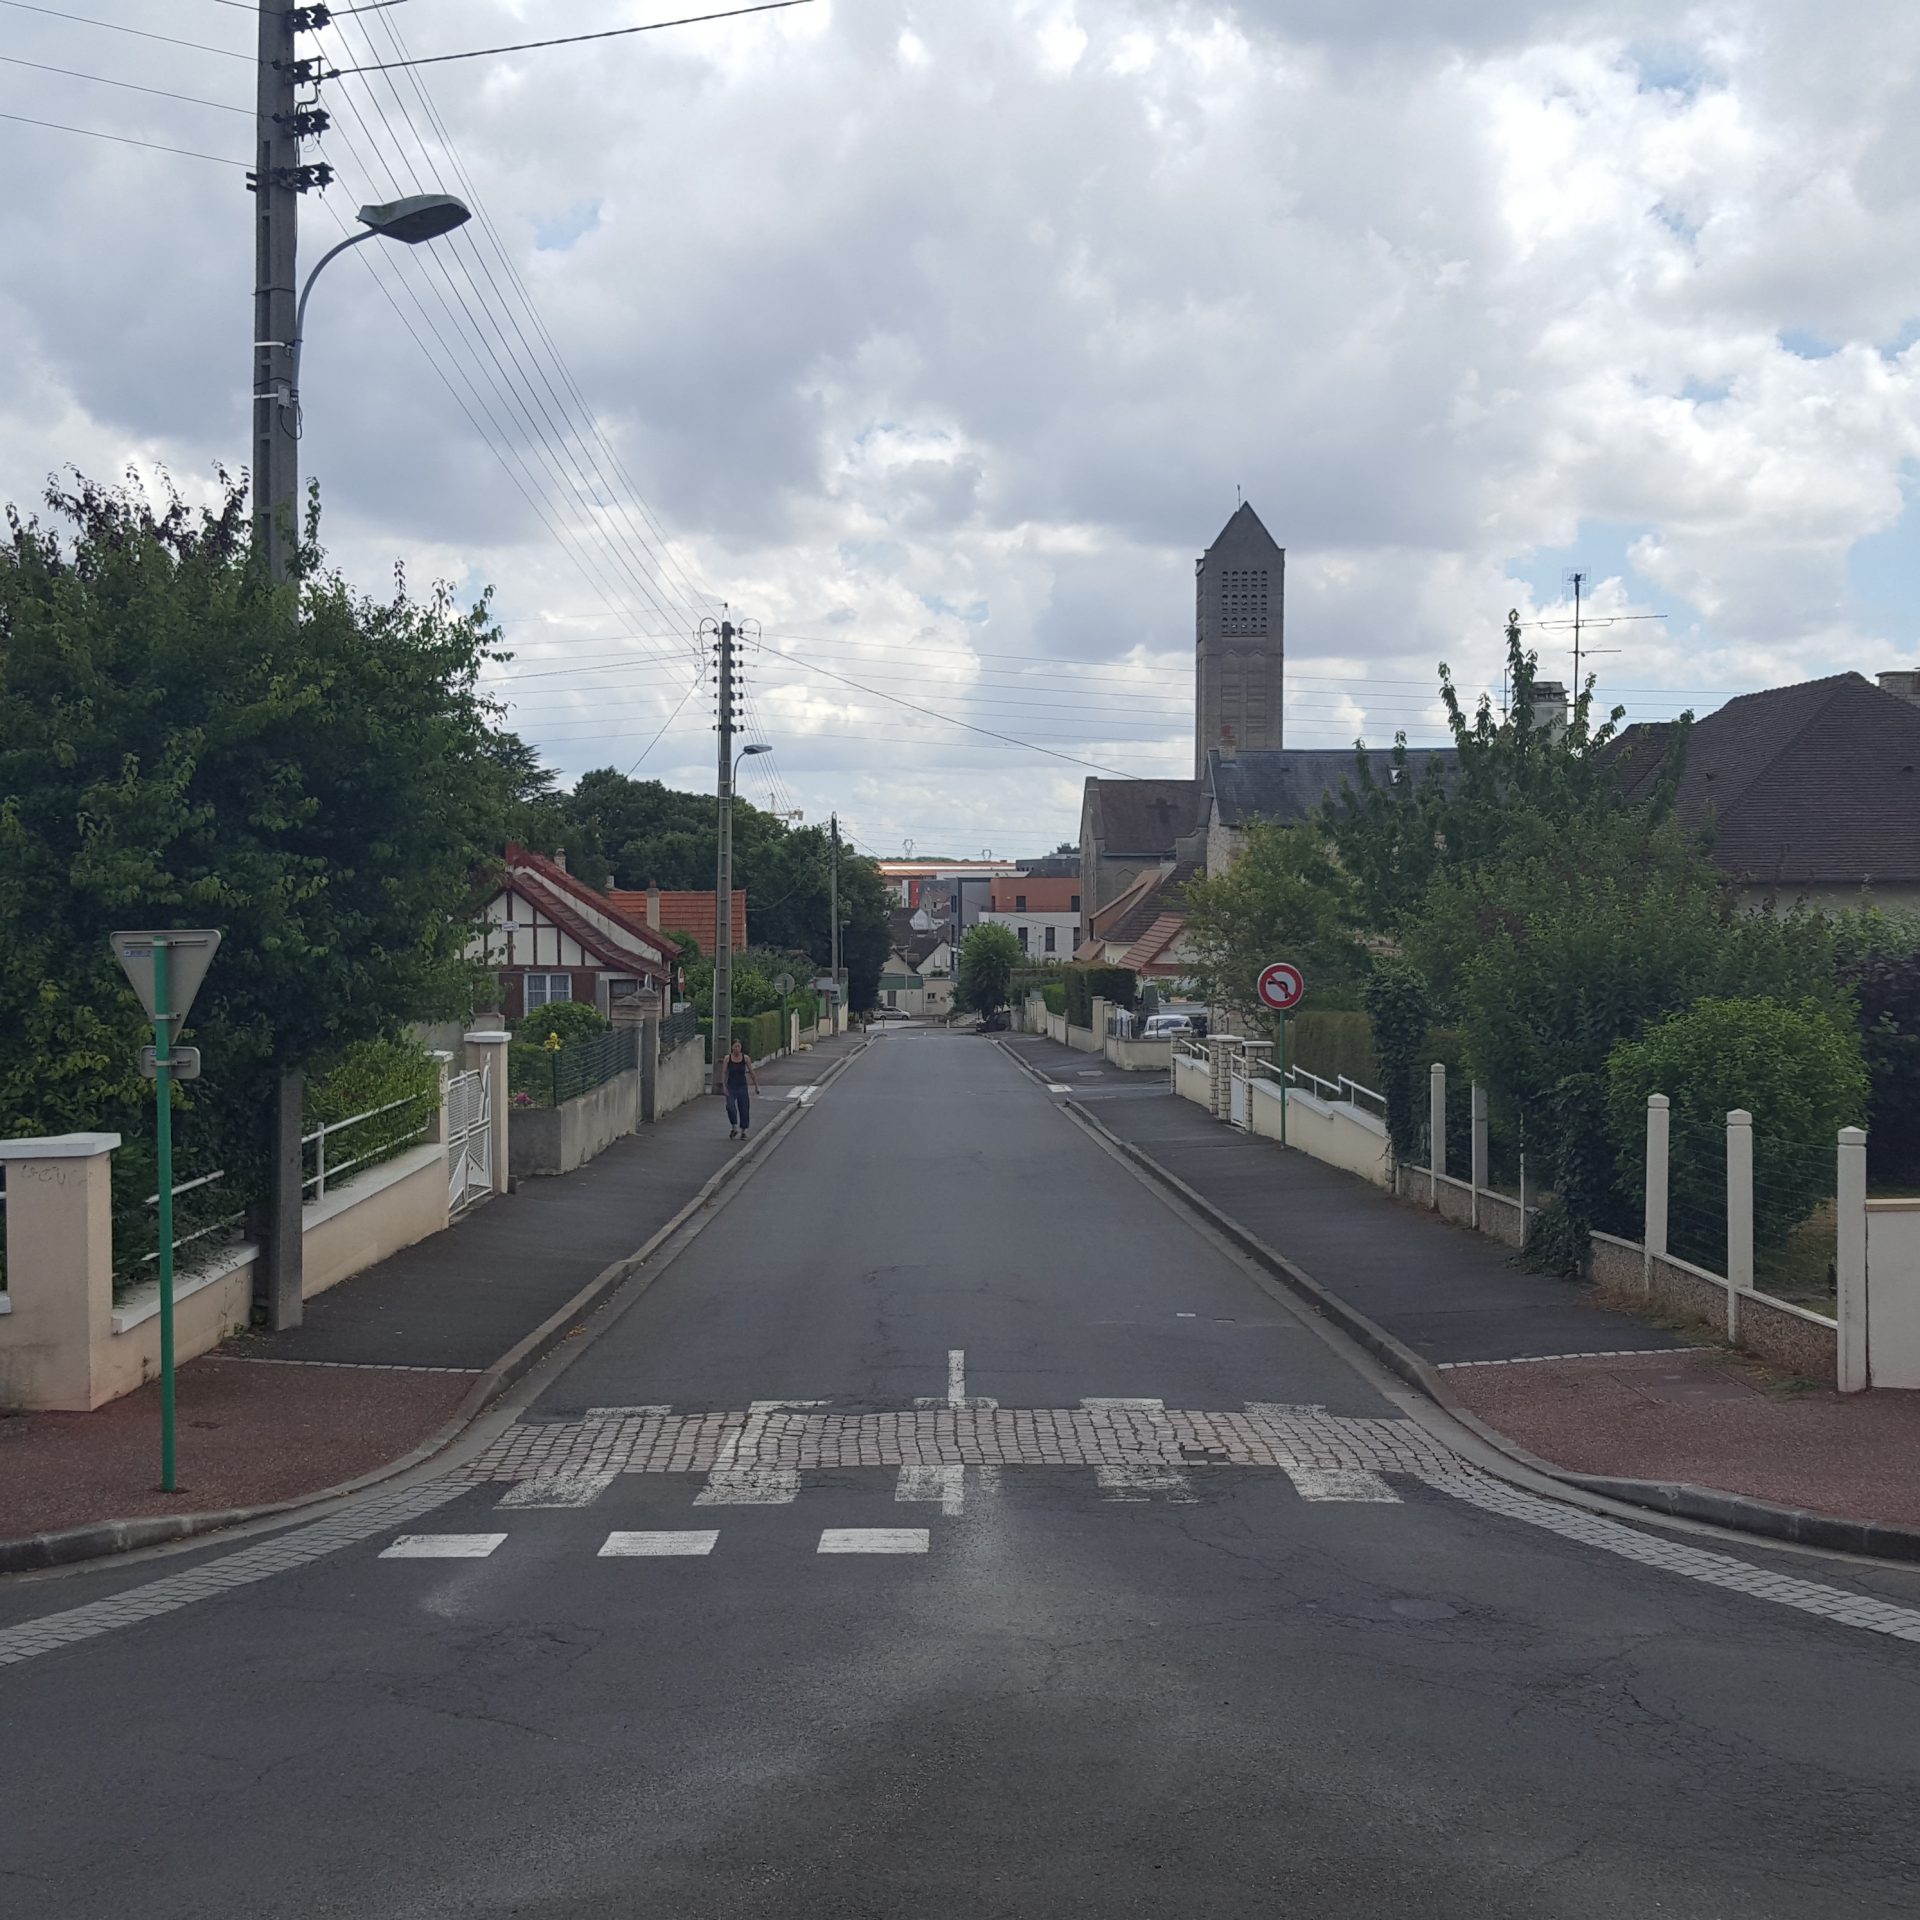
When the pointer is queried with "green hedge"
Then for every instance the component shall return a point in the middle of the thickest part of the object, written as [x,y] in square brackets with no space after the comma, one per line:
[1084,985]
[1054,993]
[1332,1044]
[759,1033]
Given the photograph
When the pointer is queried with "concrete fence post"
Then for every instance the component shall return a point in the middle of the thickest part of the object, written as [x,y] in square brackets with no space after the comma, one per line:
[1739,1214]
[1850,1262]
[1659,1149]
[1480,1147]
[1436,1127]
[437,1120]
[59,1269]
[488,1052]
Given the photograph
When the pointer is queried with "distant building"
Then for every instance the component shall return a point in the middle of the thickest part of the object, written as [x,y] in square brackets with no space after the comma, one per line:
[549,936]
[1041,911]
[1811,792]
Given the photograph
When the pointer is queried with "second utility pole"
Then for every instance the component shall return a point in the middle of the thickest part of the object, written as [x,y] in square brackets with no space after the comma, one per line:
[723,879]
[833,914]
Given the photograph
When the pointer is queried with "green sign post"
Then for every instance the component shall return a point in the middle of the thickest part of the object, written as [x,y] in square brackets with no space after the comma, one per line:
[166,970]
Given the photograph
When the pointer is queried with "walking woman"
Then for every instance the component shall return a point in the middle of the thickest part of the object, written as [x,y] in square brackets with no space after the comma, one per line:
[739,1073]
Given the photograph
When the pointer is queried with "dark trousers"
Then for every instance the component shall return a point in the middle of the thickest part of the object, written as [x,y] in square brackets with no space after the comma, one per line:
[737,1108]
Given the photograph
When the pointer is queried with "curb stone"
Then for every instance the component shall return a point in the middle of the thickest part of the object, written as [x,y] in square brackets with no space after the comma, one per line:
[1738,1512]
[37,1552]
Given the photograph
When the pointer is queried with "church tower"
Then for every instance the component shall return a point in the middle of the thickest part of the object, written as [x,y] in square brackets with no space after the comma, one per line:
[1240,587]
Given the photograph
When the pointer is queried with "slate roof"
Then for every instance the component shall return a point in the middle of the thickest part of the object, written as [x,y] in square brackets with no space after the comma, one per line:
[1145,816]
[1289,783]
[1814,784]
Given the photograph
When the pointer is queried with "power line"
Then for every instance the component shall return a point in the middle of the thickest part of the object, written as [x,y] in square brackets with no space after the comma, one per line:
[692,685]
[567,40]
[125,140]
[74,73]
[114,26]
[663,561]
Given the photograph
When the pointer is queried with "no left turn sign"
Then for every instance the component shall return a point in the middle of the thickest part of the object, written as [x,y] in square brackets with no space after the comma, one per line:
[1281,986]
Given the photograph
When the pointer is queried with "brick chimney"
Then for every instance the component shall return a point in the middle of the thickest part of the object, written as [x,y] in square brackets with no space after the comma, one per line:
[559,859]
[653,906]
[1550,707]
[1903,684]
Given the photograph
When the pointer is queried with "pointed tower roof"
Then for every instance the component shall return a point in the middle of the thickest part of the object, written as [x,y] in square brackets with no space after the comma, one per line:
[1244,524]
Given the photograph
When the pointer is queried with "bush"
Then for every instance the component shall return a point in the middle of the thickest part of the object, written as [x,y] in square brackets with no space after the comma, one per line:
[1331,1044]
[1115,985]
[1397,1006]
[1797,1071]
[570,1019]
[371,1075]
[1054,993]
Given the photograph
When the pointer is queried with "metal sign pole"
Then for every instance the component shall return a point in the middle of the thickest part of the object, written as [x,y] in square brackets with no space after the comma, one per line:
[1283,1079]
[163,1149]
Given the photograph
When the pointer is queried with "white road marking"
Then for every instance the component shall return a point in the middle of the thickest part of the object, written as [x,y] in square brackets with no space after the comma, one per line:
[1054,1086]
[800,1093]
[749,1487]
[1124,1406]
[623,1413]
[442,1546]
[873,1540]
[655,1546]
[1340,1483]
[784,1406]
[945,1484]
[956,1377]
[557,1490]
[1142,1483]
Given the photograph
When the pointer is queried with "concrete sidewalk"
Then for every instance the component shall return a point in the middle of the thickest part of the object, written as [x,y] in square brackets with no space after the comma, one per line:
[385,1360]
[1599,1394]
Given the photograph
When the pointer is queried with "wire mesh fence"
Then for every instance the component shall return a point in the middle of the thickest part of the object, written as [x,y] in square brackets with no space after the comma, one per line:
[543,1076]
[677,1029]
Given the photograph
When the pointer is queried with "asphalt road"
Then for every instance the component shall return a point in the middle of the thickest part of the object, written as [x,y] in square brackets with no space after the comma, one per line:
[1308,1688]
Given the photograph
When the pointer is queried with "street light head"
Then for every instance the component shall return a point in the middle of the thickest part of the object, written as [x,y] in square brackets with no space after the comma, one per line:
[759,746]
[421,216]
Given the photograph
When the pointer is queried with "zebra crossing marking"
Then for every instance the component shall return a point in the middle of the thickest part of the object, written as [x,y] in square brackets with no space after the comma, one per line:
[749,1487]
[656,1546]
[944,1484]
[873,1540]
[1143,1482]
[442,1546]
[1340,1483]
[558,1490]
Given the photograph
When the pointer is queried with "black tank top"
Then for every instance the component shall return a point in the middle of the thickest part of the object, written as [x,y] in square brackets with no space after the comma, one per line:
[736,1073]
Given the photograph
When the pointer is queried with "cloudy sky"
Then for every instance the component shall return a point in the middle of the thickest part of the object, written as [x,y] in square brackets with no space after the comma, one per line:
[937,336]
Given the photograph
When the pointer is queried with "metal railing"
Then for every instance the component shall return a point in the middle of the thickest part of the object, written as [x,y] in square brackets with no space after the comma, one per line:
[225,1224]
[1339,1092]
[390,1144]
[1194,1050]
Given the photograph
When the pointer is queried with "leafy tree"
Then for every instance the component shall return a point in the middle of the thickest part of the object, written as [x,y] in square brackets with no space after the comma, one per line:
[636,833]
[1511,781]
[1399,1009]
[184,743]
[1797,1070]
[988,957]
[1879,958]
[1282,899]
[1552,957]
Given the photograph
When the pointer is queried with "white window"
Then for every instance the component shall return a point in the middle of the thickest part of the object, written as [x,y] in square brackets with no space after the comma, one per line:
[545,987]
[1050,935]
[1023,938]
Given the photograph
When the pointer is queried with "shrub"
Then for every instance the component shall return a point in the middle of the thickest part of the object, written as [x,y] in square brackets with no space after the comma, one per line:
[570,1019]
[1398,1009]
[1115,985]
[1054,993]
[367,1077]
[1795,1069]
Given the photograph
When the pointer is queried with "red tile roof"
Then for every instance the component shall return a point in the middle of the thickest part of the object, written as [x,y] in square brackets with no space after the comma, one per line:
[689,915]
[558,895]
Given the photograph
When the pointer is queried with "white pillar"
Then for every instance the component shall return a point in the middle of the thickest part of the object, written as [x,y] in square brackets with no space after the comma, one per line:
[1739,1214]
[1850,1261]
[488,1051]
[59,1270]
[1437,1125]
[1480,1146]
[1654,1234]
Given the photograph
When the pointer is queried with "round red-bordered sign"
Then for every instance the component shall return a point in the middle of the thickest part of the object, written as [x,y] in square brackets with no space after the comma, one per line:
[1281,986]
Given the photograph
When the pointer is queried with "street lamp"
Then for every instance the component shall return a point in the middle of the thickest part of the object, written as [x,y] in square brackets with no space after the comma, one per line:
[723,922]
[420,216]
[276,491]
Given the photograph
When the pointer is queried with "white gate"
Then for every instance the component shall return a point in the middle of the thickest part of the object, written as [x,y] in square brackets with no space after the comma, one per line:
[469,1139]
[1240,1092]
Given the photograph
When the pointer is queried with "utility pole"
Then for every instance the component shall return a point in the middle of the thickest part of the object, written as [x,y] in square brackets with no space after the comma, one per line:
[724,633]
[833,914]
[1579,580]
[275,182]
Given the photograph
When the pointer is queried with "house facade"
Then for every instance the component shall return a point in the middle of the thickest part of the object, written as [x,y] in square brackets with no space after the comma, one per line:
[549,936]
[1042,911]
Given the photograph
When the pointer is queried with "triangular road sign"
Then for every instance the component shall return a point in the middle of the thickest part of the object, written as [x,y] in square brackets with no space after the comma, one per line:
[190,952]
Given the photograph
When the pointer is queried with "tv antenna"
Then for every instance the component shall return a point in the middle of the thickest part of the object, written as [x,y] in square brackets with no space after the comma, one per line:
[1582,620]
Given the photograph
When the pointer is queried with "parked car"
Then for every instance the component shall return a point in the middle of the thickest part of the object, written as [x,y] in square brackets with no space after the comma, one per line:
[1167,1026]
[881,1016]
[994,1022]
